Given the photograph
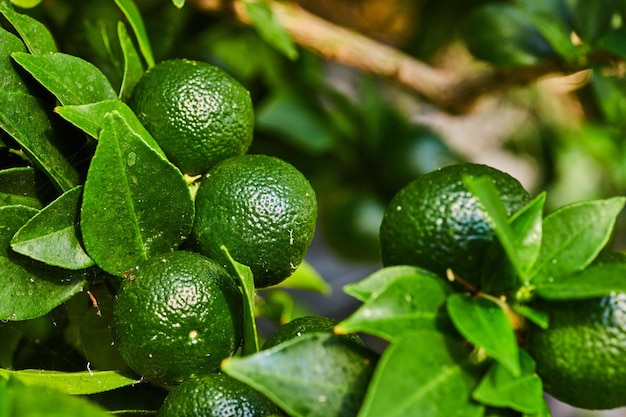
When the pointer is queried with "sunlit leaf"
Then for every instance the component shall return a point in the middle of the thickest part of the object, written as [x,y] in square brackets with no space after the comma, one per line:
[51,236]
[35,35]
[573,236]
[378,280]
[10,80]
[133,68]
[486,325]
[425,373]
[133,15]
[71,79]
[406,304]
[73,383]
[270,29]
[306,278]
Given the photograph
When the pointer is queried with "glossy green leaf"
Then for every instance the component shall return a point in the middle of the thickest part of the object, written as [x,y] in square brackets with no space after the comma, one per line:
[270,29]
[246,280]
[485,324]
[22,117]
[573,236]
[25,186]
[125,218]
[133,15]
[379,279]
[500,274]
[35,35]
[51,236]
[73,383]
[594,281]
[540,318]
[133,68]
[305,278]
[500,388]
[333,387]
[71,79]
[28,288]
[90,119]
[424,374]
[10,81]
[179,3]
[18,399]
[406,304]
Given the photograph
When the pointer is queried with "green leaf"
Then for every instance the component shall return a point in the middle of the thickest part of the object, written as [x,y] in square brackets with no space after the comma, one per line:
[614,43]
[17,399]
[486,325]
[73,383]
[133,68]
[133,15]
[406,304]
[333,387]
[291,117]
[426,373]
[500,388]
[270,29]
[35,35]
[378,280]
[540,318]
[499,273]
[90,119]
[178,3]
[51,236]
[29,289]
[573,236]
[591,19]
[24,186]
[594,281]
[246,279]
[555,29]
[125,218]
[23,118]
[72,80]
[89,328]
[10,80]
[305,278]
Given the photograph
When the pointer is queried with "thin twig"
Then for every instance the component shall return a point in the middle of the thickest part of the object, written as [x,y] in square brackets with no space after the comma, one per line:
[455,93]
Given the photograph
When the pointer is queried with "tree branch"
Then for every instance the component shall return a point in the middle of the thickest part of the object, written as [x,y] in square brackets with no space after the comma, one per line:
[455,93]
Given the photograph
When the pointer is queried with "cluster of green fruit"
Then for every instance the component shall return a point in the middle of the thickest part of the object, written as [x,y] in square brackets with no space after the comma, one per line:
[179,314]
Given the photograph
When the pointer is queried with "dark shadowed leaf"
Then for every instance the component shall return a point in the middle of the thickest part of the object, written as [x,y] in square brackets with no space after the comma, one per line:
[333,387]
[28,288]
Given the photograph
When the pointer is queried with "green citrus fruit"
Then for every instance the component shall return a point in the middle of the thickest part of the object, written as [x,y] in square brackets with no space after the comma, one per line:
[197,113]
[580,357]
[435,223]
[262,209]
[304,325]
[176,316]
[350,223]
[217,395]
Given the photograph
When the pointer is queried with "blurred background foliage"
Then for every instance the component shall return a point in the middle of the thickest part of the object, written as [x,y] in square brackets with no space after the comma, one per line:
[359,138]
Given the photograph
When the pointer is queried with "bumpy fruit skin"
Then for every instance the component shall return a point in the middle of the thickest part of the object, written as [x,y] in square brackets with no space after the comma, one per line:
[262,209]
[435,223]
[217,395]
[196,112]
[178,315]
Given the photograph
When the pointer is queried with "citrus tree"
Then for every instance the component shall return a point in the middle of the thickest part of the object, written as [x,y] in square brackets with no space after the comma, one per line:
[164,167]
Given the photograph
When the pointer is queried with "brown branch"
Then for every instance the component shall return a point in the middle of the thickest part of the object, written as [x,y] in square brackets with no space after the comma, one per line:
[451,92]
